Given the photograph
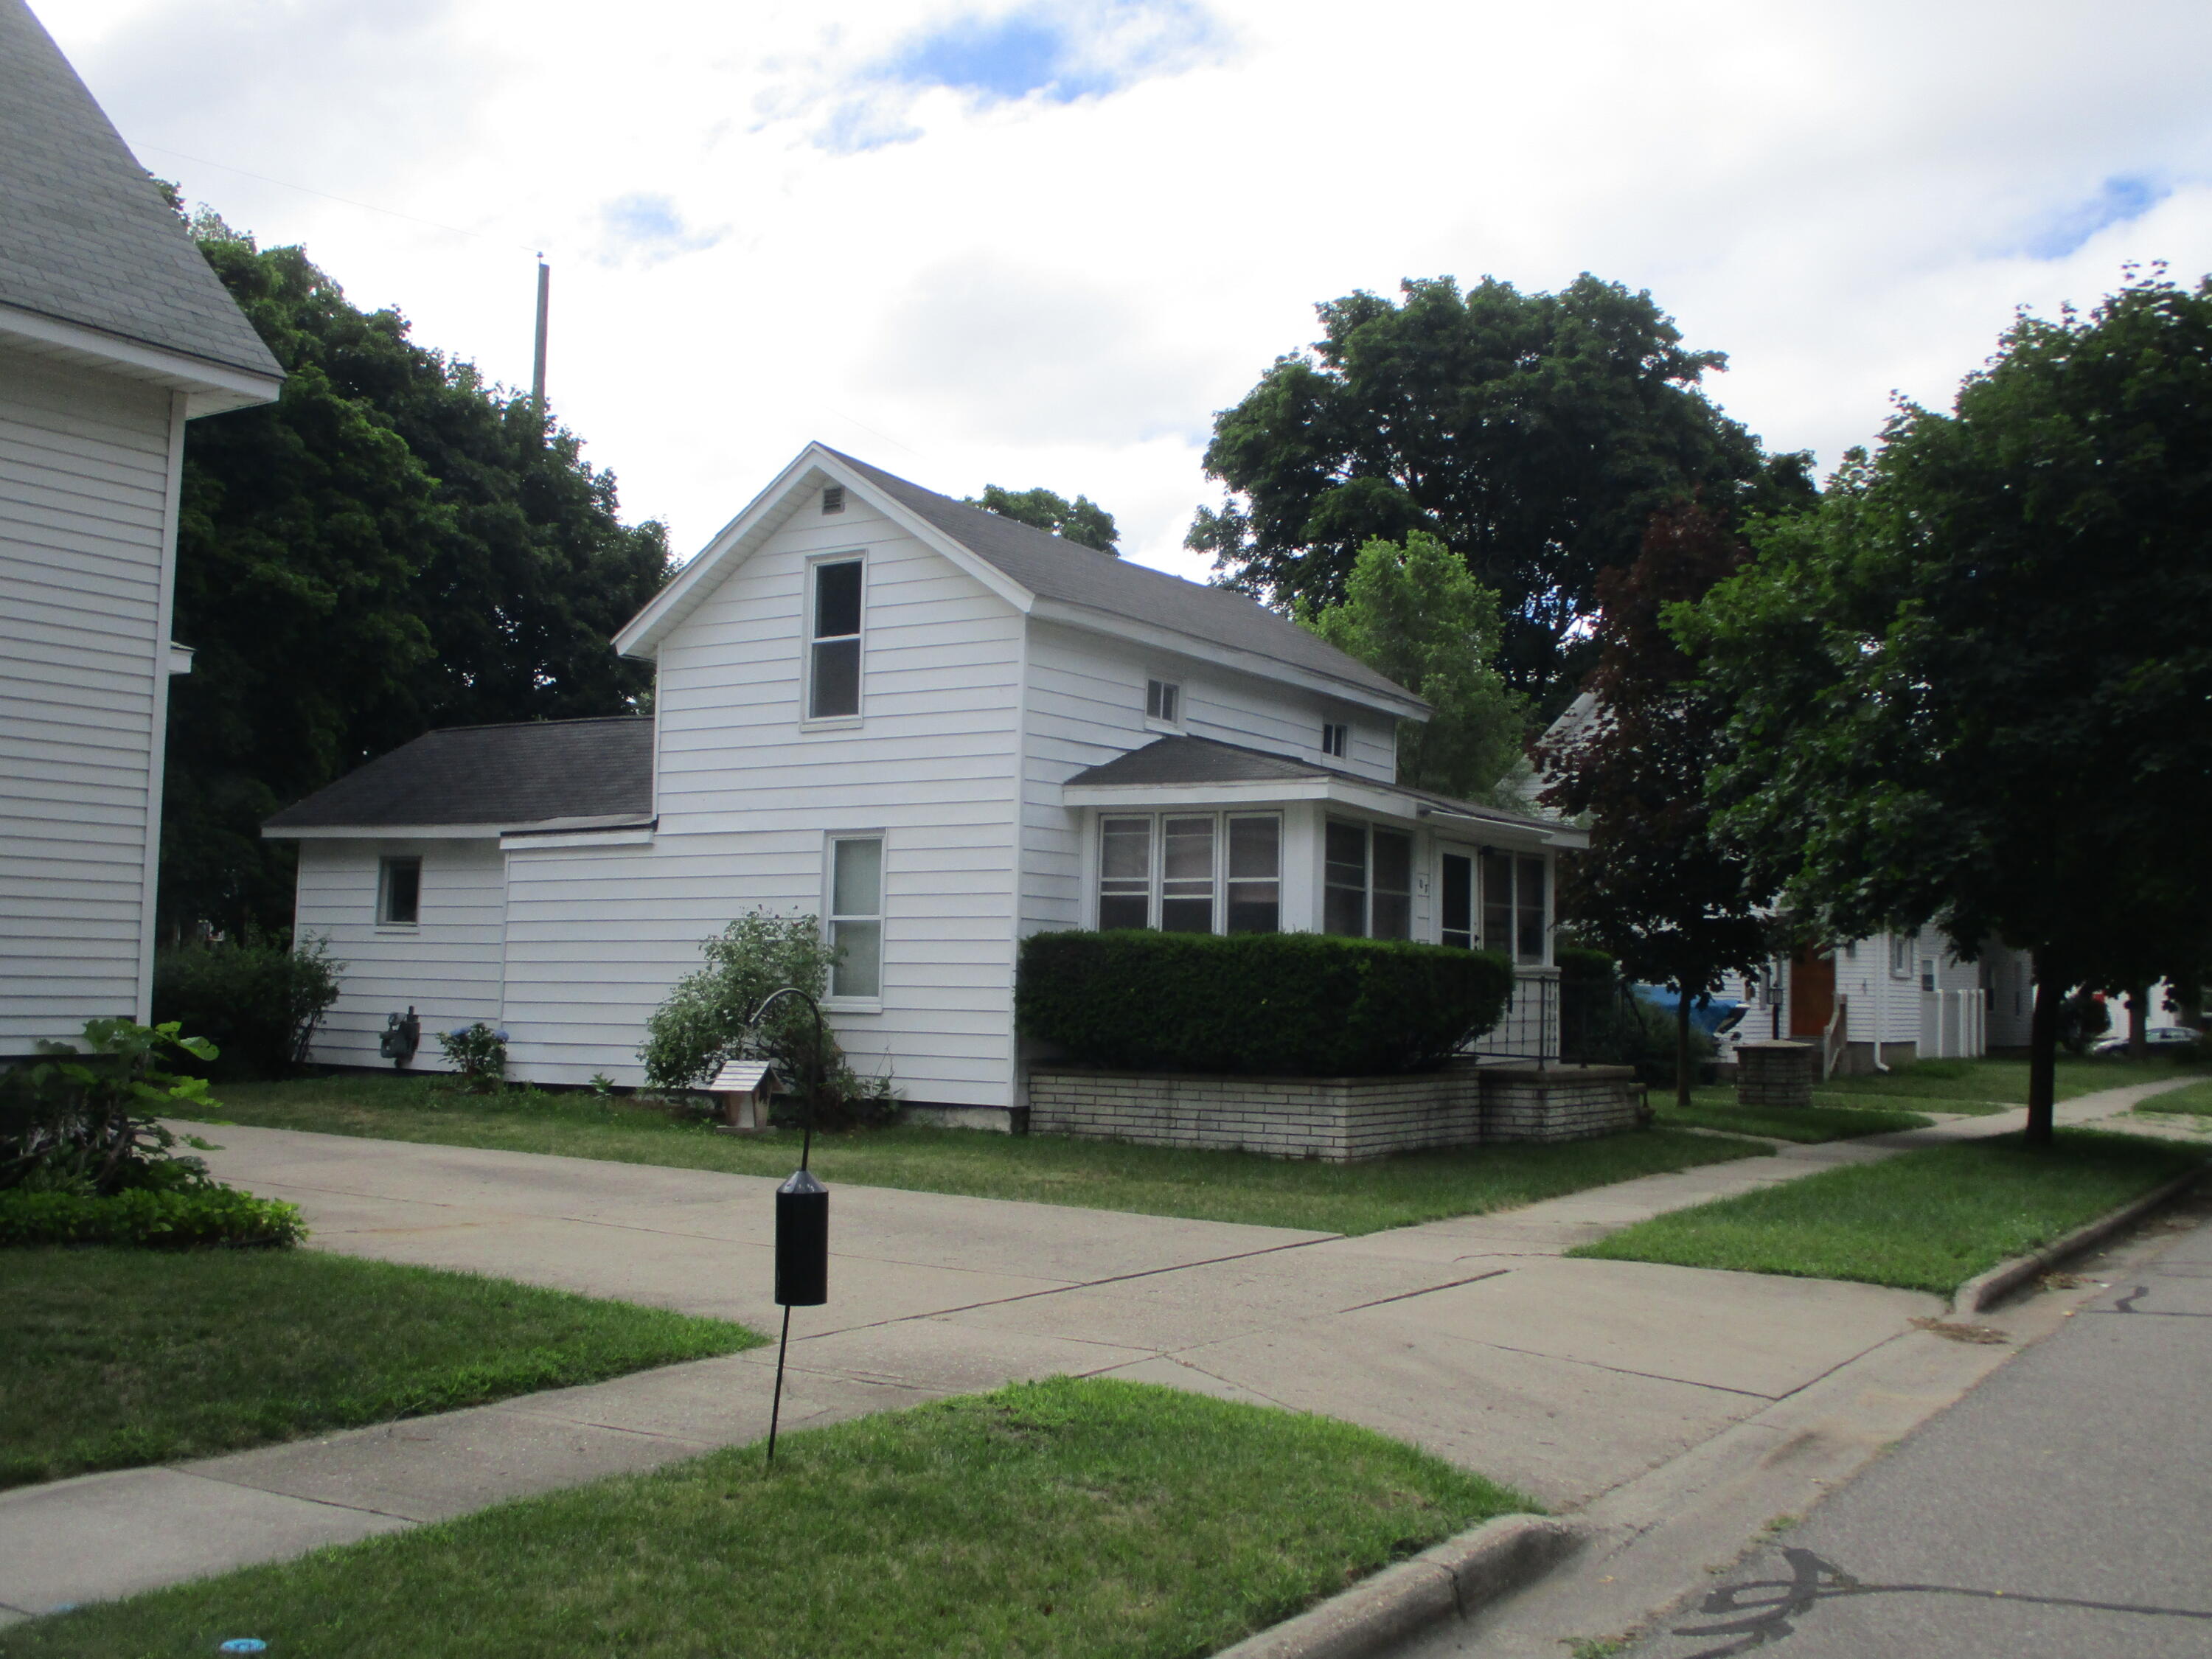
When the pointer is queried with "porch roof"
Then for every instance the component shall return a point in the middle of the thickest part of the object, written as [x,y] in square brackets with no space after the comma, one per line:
[1195,772]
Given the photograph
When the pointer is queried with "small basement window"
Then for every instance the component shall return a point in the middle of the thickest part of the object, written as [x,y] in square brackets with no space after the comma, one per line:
[1335,738]
[399,892]
[1163,702]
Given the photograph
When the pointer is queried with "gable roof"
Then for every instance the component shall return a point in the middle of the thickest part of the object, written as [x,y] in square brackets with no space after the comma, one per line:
[1185,760]
[494,776]
[85,238]
[1041,574]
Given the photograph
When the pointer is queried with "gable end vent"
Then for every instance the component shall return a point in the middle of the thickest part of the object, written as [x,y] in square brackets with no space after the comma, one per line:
[833,499]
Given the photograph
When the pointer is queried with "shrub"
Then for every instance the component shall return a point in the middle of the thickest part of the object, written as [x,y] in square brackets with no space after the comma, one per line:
[186,1219]
[1286,1004]
[703,1021]
[479,1055]
[86,1122]
[260,1004]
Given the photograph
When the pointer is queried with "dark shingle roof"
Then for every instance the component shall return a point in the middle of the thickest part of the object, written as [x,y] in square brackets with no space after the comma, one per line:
[1053,568]
[494,776]
[1202,760]
[84,236]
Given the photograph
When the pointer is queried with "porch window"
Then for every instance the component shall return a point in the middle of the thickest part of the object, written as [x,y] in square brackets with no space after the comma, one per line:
[1513,905]
[1170,871]
[398,892]
[1367,882]
[856,916]
[834,673]
[1456,902]
[1256,874]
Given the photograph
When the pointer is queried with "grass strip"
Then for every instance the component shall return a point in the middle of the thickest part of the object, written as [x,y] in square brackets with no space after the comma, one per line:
[1981,1087]
[116,1358]
[2194,1100]
[1096,1518]
[1715,1109]
[1200,1185]
[1928,1221]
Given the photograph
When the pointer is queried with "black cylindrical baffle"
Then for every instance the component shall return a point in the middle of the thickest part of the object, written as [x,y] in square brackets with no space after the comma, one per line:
[802,1241]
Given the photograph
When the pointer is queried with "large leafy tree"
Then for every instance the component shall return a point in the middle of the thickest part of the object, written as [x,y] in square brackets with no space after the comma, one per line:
[1975,686]
[1656,887]
[1533,433]
[392,545]
[1413,612]
[1081,520]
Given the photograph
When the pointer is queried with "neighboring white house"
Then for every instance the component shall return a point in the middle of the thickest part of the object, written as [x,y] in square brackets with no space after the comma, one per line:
[939,730]
[113,333]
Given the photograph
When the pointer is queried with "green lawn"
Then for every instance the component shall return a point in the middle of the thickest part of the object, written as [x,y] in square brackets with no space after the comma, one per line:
[1978,1087]
[1715,1109]
[1353,1199]
[114,1358]
[1065,1517]
[1928,1221]
[2194,1100]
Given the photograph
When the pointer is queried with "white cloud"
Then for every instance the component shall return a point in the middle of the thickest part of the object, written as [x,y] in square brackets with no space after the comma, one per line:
[1100,222]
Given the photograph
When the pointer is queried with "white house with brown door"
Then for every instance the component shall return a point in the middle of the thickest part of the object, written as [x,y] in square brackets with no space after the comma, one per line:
[938,730]
[113,334]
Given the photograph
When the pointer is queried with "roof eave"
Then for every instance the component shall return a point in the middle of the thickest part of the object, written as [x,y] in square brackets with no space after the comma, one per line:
[211,388]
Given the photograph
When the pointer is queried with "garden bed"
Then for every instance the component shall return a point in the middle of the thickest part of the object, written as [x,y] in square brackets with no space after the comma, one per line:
[1067,1517]
[116,1358]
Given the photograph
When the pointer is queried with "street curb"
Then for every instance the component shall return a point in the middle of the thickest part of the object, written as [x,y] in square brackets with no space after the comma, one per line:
[1976,1294]
[1448,1580]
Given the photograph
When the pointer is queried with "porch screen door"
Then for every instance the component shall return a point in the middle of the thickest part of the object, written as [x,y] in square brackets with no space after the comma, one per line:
[1457,913]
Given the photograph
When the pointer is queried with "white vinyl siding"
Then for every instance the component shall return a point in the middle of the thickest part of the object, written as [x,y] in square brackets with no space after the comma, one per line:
[85,469]
[447,967]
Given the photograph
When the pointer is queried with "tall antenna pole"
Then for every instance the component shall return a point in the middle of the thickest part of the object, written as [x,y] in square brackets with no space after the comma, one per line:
[537,372]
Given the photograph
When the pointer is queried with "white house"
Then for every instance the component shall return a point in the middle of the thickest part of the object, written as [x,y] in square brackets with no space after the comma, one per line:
[939,730]
[1903,997]
[113,334]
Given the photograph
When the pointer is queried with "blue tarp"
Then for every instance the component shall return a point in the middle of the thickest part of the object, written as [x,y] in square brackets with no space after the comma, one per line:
[1712,1016]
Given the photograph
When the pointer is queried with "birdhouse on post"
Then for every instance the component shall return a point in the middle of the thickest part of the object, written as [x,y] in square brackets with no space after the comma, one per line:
[742,1088]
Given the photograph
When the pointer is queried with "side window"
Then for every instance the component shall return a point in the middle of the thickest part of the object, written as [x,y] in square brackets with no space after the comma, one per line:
[1900,956]
[1125,872]
[1457,902]
[1390,909]
[833,686]
[399,892]
[1343,880]
[856,916]
[1498,901]
[1335,738]
[1163,702]
[1528,903]
[1187,875]
[1256,874]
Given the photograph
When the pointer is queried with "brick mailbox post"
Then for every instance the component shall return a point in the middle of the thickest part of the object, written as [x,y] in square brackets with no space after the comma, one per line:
[1776,1073]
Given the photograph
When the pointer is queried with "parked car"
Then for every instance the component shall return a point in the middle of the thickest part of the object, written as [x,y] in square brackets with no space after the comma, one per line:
[2158,1036]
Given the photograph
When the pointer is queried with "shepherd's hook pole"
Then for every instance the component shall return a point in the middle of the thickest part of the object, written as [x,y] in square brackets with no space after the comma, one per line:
[805,1151]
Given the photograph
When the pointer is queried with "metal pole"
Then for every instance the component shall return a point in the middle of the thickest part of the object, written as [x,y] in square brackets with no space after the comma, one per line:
[776,1409]
[805,1151]
[544,305]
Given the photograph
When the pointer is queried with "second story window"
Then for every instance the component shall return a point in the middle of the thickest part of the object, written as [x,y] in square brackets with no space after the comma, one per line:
[1163,702]
[833,682]
[1335,738]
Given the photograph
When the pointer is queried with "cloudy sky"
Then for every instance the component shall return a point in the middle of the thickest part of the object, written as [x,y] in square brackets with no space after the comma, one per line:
[1042,244]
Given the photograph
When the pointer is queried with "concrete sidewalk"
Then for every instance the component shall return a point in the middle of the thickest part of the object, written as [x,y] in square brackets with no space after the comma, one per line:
[1472,1337]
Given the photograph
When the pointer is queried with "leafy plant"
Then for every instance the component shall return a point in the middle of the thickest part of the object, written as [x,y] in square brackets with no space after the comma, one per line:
[1287,1003]
[260,1004]
[86,1122]
[479,1055]
[704,1020]
[197,1216]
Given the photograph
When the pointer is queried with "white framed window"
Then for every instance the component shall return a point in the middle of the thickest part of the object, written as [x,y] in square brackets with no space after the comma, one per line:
[1167,870]
[1367,882]
[833,668]
[1515,908]
[855,917]
[1900,956]
[1335,738]
[1164,702]
[398,891]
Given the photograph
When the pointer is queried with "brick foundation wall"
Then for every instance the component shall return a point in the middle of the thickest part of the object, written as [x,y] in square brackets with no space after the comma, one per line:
[1336,1119]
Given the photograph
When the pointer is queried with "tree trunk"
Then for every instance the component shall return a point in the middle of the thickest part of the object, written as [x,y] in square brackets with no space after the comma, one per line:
[2139,1022]
[1682,1052]
[2043,1053]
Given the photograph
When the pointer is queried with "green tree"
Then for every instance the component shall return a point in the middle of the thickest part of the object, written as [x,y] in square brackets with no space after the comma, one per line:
[392,545]
[1655,887]
[1972,688]
[1533,433]
[1413,613]
[1082,521]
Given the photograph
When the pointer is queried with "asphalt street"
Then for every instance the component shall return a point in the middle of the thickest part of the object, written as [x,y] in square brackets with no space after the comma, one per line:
[2063,1509]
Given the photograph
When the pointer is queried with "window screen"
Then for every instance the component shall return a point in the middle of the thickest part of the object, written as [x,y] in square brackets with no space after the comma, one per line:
[1187,875]
[1255,875]
[1125,872]
[1344,892]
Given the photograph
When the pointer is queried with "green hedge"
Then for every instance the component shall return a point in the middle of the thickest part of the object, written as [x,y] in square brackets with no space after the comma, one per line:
[172,1220]
[1298,1005]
